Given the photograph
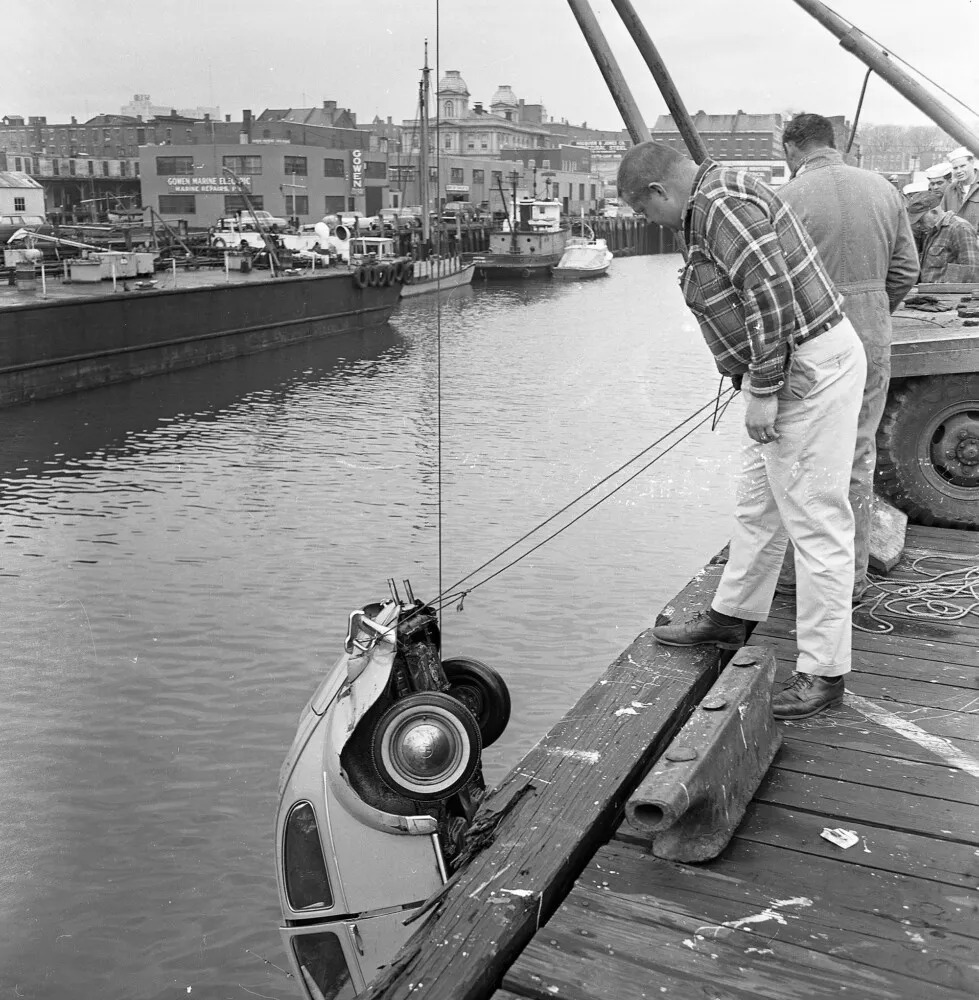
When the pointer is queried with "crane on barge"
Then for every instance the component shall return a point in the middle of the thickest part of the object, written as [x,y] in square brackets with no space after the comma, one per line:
[928,439]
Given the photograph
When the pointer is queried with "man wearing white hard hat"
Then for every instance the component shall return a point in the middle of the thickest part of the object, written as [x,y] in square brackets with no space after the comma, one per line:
[962,195]
[939,176]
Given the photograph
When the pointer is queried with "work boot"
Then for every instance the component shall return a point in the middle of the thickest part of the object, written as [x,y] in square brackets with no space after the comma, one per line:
[804,695]
[701,630]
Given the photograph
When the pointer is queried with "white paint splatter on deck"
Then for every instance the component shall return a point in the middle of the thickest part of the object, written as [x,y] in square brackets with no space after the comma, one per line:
[588,756]
[769,913]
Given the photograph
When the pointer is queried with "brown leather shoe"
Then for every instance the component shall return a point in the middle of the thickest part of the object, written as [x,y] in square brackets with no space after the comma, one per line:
[701,630]
[804,695]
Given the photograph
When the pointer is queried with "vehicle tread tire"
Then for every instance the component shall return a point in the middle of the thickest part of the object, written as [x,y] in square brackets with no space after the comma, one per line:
[493,699]
[900,476]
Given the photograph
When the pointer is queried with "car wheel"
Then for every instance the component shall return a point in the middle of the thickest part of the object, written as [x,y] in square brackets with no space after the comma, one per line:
[426,746]
[483,691]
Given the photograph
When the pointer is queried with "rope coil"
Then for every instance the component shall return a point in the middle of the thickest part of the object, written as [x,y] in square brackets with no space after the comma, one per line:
[947,596]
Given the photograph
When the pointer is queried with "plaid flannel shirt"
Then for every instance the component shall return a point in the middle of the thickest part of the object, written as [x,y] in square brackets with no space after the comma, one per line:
[753,277]
[950,252]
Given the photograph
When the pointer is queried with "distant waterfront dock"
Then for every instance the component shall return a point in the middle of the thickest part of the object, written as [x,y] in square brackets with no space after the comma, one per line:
[560,899]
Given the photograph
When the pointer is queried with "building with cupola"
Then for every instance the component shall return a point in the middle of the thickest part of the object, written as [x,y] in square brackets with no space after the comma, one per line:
[458,129]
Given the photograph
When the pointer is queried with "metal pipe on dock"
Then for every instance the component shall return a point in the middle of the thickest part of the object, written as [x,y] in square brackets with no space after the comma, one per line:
[876,57]
[609,68]
[681,117]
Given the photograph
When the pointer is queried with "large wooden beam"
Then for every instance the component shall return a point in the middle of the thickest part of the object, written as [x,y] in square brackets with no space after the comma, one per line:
[609,68]
[681,118]
[536,832]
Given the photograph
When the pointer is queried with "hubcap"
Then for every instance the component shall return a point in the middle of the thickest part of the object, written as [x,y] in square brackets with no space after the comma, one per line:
[954,448]
[426,750]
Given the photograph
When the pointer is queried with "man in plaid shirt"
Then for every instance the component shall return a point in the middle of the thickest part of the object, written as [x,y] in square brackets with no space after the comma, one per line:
[775,324]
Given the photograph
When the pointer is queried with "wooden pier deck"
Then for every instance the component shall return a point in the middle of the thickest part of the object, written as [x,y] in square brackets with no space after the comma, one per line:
[784,913]
[562,900]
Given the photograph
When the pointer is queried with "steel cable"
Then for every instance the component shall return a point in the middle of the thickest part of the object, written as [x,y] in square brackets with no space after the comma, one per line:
[456,592]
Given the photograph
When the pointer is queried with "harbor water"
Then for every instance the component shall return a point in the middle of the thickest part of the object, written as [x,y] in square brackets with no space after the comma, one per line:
[180,555]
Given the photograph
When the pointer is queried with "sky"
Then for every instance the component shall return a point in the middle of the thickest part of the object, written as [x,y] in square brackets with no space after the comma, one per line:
[758,56]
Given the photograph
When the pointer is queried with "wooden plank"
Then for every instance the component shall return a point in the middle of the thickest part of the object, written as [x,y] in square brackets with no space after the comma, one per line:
[937,673]
[551,812]
[851,899]
[880,848]
[601,945]
[930,780]
[952,646]
[907,697]
[946,288]
[852,803]
[852,731]
[856,924]
[951,356]
[948,539]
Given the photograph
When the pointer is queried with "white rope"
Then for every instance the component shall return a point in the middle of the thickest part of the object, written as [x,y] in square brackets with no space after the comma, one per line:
[942,597]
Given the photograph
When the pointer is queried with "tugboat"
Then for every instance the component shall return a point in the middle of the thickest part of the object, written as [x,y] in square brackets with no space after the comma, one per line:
[529,244]
[376,793]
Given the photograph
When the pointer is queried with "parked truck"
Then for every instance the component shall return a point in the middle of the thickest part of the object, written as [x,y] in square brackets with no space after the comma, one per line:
[928,440]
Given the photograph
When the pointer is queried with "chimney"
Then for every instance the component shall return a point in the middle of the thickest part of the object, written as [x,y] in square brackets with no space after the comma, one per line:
[245,136]
[389,120]
[478,108]
[227,118]
[207,117]
[74,120]
[329,105]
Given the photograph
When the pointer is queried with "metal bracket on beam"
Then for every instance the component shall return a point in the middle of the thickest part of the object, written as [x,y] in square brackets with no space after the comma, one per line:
[693,800]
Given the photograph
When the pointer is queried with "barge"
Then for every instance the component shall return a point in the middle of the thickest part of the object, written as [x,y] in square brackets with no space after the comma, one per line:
[57,338]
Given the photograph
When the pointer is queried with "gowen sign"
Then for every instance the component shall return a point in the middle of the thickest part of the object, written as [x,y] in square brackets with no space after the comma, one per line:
[356,171]
[206,185]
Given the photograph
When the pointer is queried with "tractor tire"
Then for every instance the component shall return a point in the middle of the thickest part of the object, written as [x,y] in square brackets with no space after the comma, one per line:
[928,450]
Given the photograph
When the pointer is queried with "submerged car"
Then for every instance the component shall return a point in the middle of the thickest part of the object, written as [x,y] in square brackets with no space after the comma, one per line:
[376,793]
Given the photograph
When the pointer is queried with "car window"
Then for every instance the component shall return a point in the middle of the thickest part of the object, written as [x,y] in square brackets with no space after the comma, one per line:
[322,964]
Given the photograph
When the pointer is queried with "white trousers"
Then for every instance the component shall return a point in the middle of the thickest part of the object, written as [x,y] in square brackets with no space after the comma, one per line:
[796,488]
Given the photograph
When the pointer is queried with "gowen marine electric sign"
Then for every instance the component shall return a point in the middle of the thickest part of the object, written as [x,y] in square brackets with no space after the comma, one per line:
[206,185]
[356,171]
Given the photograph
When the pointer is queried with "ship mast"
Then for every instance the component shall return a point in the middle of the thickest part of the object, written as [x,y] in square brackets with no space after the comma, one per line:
[423,159]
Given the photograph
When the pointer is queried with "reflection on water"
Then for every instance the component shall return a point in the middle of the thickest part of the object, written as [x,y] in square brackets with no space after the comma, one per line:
[180,554]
